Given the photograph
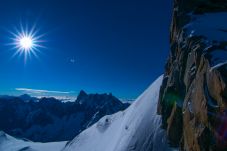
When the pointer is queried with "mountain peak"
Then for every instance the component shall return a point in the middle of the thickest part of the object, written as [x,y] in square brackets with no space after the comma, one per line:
[27,97]
[81,96]
[91,100]
[82,93]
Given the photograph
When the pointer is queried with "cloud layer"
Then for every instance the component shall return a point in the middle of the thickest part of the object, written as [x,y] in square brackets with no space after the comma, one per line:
[37,91]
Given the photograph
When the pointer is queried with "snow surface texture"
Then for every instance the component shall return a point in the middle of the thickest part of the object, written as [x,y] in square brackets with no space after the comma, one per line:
[9,143]
[202,26]
[135,129]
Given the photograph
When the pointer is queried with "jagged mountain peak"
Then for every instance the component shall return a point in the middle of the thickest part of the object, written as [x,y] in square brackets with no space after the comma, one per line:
[82,94]
[27,97]
[96,99]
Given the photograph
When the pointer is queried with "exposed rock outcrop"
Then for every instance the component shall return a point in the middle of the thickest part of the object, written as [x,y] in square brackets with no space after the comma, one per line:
[193,96]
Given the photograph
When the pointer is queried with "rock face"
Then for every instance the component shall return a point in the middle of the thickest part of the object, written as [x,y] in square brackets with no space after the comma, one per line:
[49,119]
[193,95]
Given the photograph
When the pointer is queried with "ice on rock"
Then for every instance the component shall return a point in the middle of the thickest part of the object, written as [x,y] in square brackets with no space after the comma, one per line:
[201,25]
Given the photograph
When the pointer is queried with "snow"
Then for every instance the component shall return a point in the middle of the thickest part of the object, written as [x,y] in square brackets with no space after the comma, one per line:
[218,59]
[213,27]
[218,65]
[201,25]
[9,143]
[135,129]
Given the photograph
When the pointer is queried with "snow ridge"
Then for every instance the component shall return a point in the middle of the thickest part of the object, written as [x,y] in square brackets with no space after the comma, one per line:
[9,143]
[135,129]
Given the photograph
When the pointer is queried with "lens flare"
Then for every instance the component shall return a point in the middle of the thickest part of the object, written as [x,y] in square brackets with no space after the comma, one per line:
[221,130]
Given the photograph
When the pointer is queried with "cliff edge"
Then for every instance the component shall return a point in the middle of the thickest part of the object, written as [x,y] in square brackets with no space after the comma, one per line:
[193,95]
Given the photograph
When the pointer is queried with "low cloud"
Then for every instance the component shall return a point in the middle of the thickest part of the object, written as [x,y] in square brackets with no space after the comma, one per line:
[37,91]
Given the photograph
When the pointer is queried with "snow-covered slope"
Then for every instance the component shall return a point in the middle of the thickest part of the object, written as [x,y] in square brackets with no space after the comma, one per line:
[9,143]
[135,129]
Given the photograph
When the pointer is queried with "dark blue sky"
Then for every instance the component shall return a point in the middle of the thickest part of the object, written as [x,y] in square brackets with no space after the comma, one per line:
[119,46]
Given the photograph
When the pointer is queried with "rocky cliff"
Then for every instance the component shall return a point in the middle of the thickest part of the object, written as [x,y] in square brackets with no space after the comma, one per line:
[193,95]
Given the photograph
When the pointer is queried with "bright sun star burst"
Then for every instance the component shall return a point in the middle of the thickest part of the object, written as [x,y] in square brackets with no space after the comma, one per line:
[26,42]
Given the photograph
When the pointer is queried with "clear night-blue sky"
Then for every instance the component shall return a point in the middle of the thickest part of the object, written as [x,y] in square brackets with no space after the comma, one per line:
[117,46]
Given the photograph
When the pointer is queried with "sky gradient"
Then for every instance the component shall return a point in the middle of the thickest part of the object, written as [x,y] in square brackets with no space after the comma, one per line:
[98,46]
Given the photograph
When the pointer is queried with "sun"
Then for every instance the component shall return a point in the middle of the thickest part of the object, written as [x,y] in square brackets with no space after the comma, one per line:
[27,42]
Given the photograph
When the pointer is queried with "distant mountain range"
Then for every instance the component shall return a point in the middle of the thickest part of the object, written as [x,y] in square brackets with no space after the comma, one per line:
[24,97]
[50,119]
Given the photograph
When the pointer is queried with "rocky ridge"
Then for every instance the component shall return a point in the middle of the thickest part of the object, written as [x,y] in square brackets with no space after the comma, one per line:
[193,96]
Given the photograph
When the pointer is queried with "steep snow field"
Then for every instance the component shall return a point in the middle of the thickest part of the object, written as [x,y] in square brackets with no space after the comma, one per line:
[9,143]
[135,129]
